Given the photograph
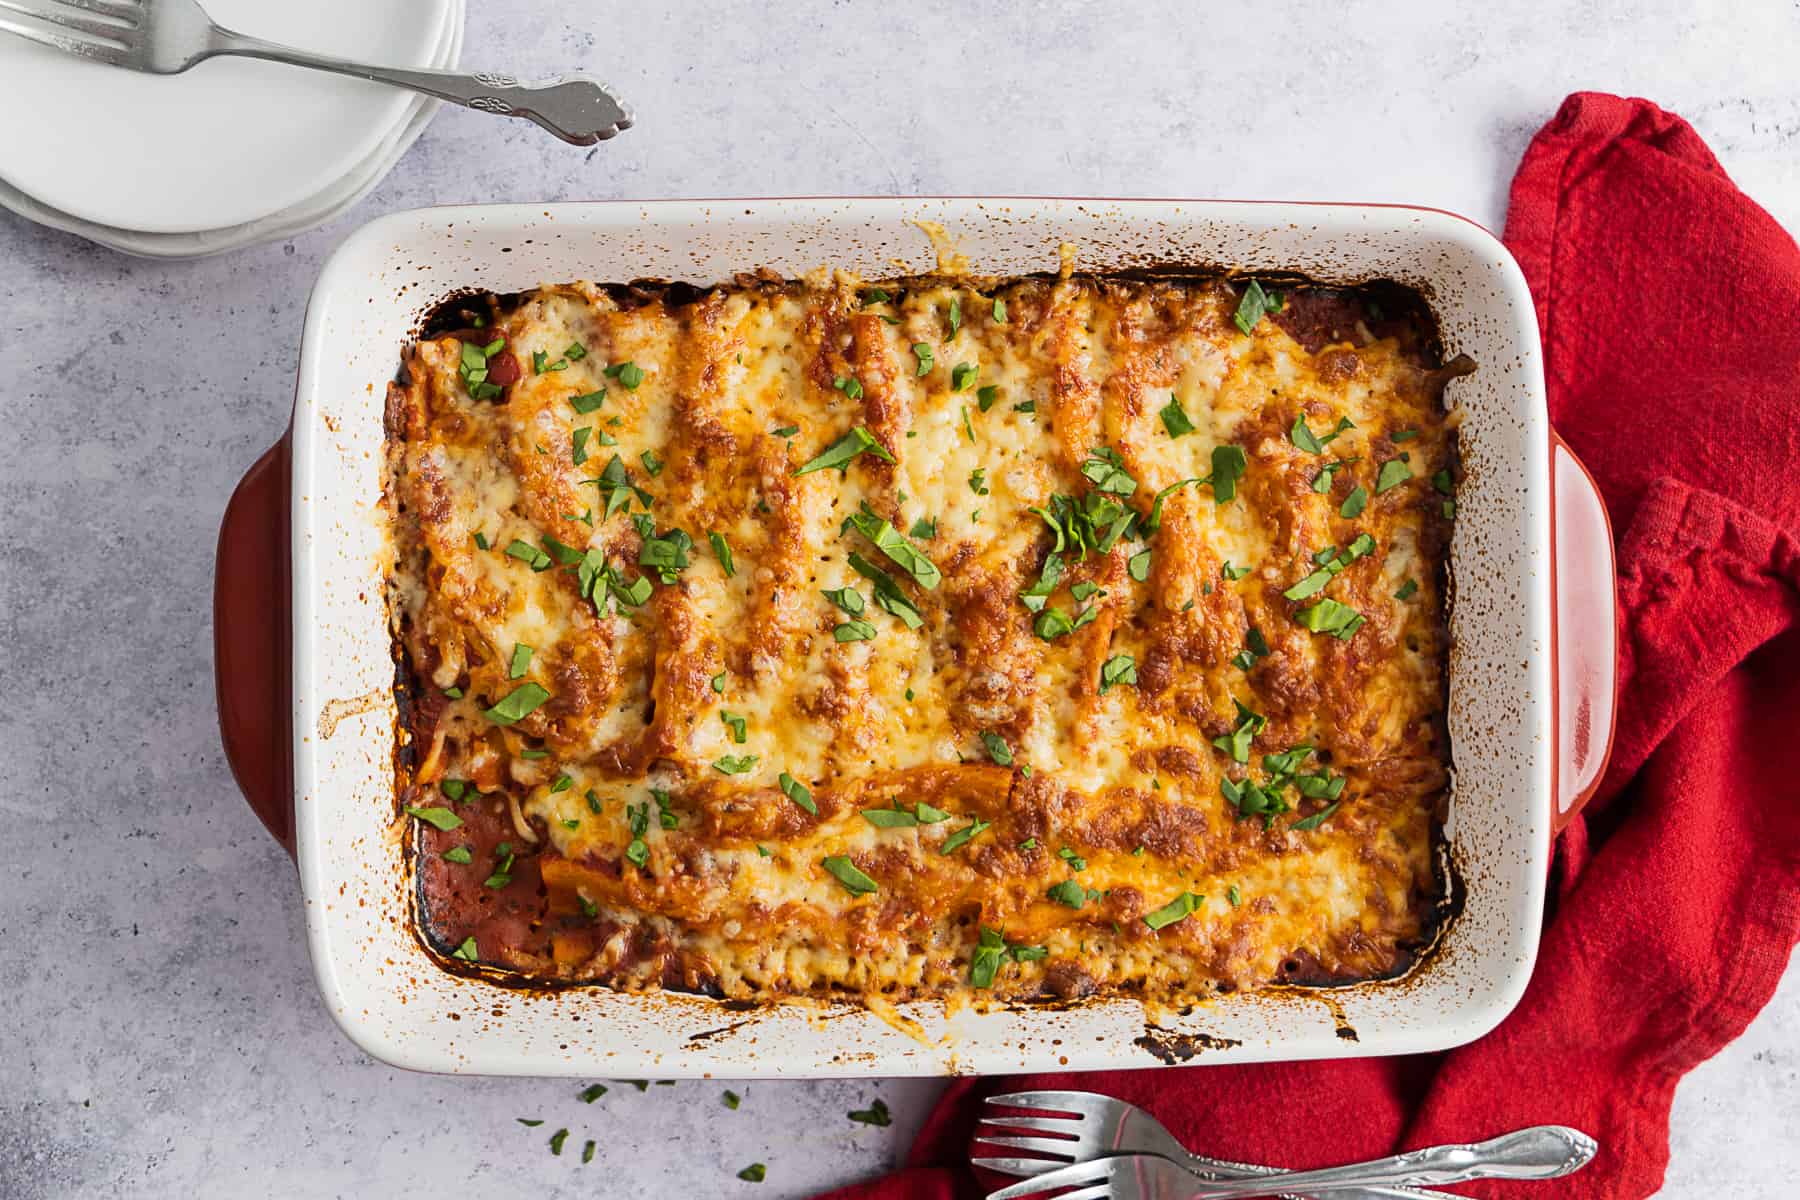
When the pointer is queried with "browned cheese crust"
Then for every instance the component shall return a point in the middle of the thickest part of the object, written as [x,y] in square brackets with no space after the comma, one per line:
[1155,774]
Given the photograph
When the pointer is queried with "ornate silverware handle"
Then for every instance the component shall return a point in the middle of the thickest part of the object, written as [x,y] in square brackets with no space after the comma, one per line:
[575,108]
[1542,1152]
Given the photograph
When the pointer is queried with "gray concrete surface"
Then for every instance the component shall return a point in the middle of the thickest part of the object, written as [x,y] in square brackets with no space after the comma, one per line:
[159,1032]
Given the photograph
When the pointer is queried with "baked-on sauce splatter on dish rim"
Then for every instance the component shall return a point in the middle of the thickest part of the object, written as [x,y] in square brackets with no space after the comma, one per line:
[1029,638]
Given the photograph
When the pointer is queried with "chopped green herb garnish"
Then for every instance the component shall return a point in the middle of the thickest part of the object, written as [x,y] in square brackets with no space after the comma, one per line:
[1318,818]
[1394,472]
[1407,589]
[521,661]
[877,1113]
[890,818]
[732,1100]
[1403,435]
[1237,742]
[527,553]
[1328,616]
[722,551]
[1068,892]
[666,553]
[992,950]
[1175,910]
[1255,647]
[734,764]
[1303,437]
[962,837]
[627,373]
[888,596]
[1231,572]
[1354,503]
[854,631]
[844,871]
[1175,418]
[997,748]
[736,723]
[923,353]
[1255,304]
[459,855]
[841,453]
[1105,469]
[986,396]
[1120,668]
[592,1092]
[893,543]
[1138,565]
[587,403]
[846,598]
[529,1122]
[962,375]
[796,791]
[978,481]
[437,817]
[850,385]
[754,1173]
[1228,466]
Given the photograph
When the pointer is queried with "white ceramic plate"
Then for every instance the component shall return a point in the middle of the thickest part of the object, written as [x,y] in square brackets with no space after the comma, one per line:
[317,209]
[230,142]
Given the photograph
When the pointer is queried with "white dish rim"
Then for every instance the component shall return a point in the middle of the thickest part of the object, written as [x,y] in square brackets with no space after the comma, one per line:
[519,1032]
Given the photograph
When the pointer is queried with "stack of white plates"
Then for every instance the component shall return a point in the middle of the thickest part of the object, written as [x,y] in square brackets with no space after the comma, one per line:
[231,153]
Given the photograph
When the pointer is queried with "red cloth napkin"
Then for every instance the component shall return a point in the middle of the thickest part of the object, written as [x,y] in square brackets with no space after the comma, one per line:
[1670,310]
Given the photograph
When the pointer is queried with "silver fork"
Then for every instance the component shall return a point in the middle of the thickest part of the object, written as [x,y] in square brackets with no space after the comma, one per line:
[1098,1126]
[1541,1152]
[166,37]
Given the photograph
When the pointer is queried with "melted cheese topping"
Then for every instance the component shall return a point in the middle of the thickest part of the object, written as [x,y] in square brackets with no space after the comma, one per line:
[666,862]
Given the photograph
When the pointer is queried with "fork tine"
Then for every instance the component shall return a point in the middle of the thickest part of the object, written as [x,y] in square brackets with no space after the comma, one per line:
[50,16]
[1048,1124]
[1066,1149]
[80,46]
[123,10]
[1024,1167]
[1075,1175]
[1077,1103]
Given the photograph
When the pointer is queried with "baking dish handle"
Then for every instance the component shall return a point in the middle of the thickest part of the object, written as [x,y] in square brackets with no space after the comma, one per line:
[251,660]
[1586,633]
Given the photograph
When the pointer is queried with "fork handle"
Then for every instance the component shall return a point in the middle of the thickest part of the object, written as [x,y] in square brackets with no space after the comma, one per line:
[575,108]
[1542,1152]
[1220,1168]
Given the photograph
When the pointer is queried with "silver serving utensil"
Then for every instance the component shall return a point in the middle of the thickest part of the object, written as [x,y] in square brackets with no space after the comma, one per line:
[1541,1152]
[1095,1126]
[166,37]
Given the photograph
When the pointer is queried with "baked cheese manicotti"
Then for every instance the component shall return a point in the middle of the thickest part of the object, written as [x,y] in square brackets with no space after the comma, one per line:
[1027,638]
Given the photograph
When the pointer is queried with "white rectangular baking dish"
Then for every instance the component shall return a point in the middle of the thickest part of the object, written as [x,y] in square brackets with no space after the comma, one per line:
[1530,727]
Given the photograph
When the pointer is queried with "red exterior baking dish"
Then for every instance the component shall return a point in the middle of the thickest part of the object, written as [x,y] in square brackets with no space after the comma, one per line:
[305,674]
